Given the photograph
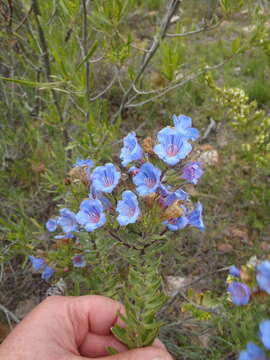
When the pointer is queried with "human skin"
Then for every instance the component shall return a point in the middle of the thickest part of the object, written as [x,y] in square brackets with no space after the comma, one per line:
[73,328]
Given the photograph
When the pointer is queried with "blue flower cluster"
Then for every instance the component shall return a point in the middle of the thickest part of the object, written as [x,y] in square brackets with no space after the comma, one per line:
[254,352]
[39,265]
[241,292]
[172,145]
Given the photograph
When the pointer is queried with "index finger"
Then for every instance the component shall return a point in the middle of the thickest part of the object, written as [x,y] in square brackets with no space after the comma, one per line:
[95,314]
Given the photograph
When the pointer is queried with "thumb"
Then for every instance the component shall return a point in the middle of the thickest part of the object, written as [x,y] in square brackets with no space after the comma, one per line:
[147,353]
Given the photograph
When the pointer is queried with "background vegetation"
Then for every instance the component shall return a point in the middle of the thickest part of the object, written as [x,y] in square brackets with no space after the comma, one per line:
[76,76]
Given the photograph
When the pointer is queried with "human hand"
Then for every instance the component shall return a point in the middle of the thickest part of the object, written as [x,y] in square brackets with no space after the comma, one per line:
[73,328]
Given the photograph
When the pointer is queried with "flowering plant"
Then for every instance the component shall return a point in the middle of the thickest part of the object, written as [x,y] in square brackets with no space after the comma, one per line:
[249,287]
[127,212]
[250,282]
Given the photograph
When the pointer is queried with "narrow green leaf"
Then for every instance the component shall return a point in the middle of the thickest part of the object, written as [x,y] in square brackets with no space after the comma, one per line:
[47,85]
[88,56]
[121,335]
[151,336]
[236,44]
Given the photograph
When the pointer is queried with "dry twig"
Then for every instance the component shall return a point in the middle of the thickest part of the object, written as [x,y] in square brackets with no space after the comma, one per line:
[171,10]
[9,316]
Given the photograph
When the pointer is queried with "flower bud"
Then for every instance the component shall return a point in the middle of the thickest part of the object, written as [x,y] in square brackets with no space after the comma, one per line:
[150,199]
[245,274]
[148,144]
[78,174]
[260,295]
[41,253]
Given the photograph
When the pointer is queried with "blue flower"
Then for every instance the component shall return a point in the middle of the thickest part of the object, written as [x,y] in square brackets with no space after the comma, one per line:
[183,125]
[67,220]
[265,333]
[37,263]
[171,197]
[234,271]
[164,191]
[128,208]
[78,260]
[105,178]
[97,195]
[253,352]
[47,273]
[91,215]
[178,223]
[240,293]
[87,163]
[263,276]
[51,224]
[195,217]
[192,172]
[131,151]
[148,179]
[172,146]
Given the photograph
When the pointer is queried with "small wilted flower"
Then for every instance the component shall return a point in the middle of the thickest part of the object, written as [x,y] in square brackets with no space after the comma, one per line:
[148,145]
[78,260]
[246,274]
[172,146]
[51,224]
[253,352]
[91,215]
[260,295]
[81,171]
[150,199]
[240,293]
[264,333]
[183,125]
[67,221]
[195,217]
[173,211]
[131,151]
[192,172]
[128,209]
[105,178]
[263,276]
[59,243]
[234,271]
[79,174]
[147,180]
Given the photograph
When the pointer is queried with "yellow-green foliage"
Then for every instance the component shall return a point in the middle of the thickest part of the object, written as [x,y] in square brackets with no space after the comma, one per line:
[246,118]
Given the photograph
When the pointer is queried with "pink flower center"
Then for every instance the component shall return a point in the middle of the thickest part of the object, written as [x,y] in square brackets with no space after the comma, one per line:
[108,181]
[131,211]
[150,182]
[94,217]
[172,150]
[77,259]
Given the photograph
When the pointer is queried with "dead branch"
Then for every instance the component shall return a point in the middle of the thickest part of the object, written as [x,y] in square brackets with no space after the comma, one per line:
[171,10]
